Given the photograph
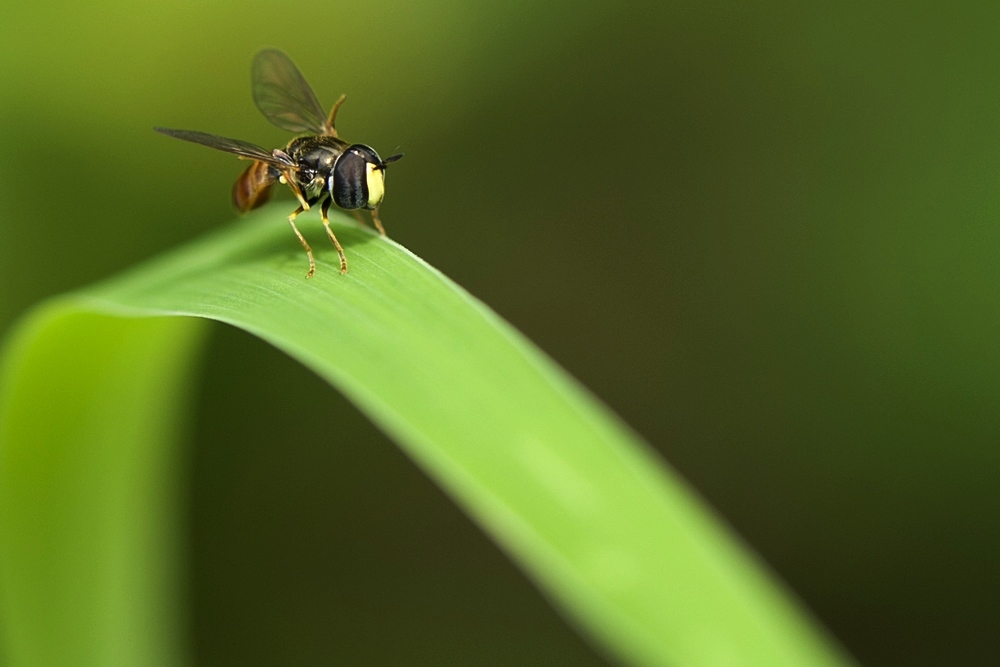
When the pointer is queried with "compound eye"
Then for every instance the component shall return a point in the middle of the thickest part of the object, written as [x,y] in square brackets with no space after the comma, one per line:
[349,181]
[358,178]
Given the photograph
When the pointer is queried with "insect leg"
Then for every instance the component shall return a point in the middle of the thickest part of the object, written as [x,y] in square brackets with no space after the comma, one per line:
[329,232]
[359,216]
[302,240]
[378,223]
[286,178]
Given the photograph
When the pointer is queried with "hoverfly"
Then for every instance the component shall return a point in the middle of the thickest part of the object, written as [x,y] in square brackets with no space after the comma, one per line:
[318,166]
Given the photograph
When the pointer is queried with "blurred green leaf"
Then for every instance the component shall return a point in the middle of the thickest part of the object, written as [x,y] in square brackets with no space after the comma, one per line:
[93,395]
[89,537]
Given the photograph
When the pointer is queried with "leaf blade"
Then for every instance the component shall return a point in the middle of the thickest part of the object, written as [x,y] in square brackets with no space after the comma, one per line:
[603,527]
[92,411]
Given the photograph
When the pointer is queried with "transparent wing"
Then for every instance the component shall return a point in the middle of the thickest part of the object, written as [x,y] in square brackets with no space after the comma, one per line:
[283,95]
[244,148]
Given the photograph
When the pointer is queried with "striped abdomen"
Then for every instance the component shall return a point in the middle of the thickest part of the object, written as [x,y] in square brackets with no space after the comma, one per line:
[253,187]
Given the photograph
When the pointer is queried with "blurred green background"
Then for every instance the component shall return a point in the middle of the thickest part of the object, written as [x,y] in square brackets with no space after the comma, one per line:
[766,235]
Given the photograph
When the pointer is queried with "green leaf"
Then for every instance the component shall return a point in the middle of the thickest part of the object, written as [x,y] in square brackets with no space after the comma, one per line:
[89,544]
[93,402]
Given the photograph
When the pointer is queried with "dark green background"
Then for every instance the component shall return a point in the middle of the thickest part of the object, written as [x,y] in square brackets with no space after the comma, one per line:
[765,234]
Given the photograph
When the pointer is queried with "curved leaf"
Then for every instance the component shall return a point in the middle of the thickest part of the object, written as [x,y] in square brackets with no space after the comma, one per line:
[606,530]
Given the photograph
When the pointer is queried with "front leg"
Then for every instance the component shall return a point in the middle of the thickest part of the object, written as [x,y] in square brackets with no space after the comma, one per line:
[329,232]
[289,179]
[361,220]
[378,223]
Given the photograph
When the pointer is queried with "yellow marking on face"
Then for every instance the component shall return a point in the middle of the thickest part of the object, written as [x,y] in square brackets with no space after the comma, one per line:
[376,185]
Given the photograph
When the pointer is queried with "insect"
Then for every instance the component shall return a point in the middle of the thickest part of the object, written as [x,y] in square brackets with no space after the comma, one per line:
[318,166]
